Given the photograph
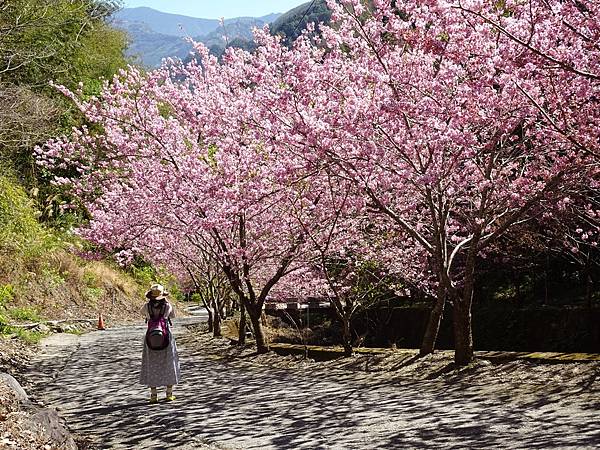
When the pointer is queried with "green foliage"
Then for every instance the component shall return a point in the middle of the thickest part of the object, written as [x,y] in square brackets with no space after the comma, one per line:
[43,41]
[54,277]
[368,276]
[75,331]
[27,118]
[143,273]
[20,231]
[94,293]
[174,290]
[20,314]
[7,293]
[25,314]
[65,41]
[245,44]
[90,279]
[212,152]
[147,275]
[538,277]
[291,24]
[165,110]
[99,57]
[505,293]
[31,337]
[211,156]
[367,281]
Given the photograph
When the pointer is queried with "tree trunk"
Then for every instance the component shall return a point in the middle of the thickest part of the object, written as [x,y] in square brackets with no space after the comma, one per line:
[546,280]
[262,344]
[463,336]
[433,324]
[242,327]
[228,308]
[589,283]
[463,333]
[209,310]
[347,337]
[217,332]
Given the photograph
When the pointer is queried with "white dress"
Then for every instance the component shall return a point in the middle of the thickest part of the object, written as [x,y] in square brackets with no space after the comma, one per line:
[160,367]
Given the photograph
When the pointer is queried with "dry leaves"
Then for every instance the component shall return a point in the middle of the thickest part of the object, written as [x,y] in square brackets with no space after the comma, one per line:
[16,431]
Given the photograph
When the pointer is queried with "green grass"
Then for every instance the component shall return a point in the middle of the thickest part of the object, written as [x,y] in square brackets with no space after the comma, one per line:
[54,277]
[94,293]
[20,230]
[31,337]
[20,314]
[7,293]
[36,259]
[24,314]
[75,332]
[91,279]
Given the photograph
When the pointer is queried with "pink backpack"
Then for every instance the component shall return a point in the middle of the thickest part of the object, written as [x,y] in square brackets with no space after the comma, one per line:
[158,333]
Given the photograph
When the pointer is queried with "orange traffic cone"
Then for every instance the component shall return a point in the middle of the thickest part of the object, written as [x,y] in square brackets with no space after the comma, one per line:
[101,323]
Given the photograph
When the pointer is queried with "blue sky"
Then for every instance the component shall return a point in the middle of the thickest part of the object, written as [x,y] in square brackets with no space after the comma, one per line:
[214,9]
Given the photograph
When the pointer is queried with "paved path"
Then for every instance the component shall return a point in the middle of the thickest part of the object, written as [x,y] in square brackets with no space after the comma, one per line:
[93,380]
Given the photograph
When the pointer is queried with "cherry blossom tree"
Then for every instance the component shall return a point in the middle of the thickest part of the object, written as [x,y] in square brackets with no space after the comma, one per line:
[343,267]
[444,125]
[451,127]
[452,122]
[179,158]
[196,271]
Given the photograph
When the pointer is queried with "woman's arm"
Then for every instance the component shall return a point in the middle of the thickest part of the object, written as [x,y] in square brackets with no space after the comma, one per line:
[144,311]
[170,311]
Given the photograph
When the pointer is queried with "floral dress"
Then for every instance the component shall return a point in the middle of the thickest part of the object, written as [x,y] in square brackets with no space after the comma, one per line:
[160,367]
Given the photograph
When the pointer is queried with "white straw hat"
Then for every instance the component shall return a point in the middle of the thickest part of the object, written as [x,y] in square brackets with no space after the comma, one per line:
[157,291]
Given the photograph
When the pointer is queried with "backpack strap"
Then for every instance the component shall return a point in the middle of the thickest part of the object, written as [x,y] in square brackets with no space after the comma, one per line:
[152,305]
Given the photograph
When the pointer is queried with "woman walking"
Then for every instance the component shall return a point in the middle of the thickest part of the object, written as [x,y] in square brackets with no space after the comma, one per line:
[160,362]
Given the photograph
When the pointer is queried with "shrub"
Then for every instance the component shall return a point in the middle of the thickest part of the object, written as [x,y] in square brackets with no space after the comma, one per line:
[6,294]
[21,235]
[30,314]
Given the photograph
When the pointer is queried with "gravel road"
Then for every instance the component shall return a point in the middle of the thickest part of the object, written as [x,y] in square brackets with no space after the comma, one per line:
[92,380]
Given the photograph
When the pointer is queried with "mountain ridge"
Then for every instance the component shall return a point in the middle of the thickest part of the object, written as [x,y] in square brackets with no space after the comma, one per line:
[164,23]
[155,35]
[176,24]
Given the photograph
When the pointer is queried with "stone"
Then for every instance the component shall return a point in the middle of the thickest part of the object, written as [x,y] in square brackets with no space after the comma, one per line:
[14,385]
[43,328]
[54,428]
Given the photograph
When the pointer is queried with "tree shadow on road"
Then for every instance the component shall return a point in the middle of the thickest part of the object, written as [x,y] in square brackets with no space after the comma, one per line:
[240,405]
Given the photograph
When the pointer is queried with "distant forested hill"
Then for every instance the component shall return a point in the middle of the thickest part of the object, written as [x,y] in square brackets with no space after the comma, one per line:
[148,48]
[154,35]
[291,24]
[236,33]
[163,23]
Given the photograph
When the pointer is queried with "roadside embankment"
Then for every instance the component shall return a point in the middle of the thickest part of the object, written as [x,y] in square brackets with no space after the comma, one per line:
[26,425]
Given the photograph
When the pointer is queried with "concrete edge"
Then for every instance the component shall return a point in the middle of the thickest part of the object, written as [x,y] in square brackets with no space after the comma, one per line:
[490,355]
[52,425]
